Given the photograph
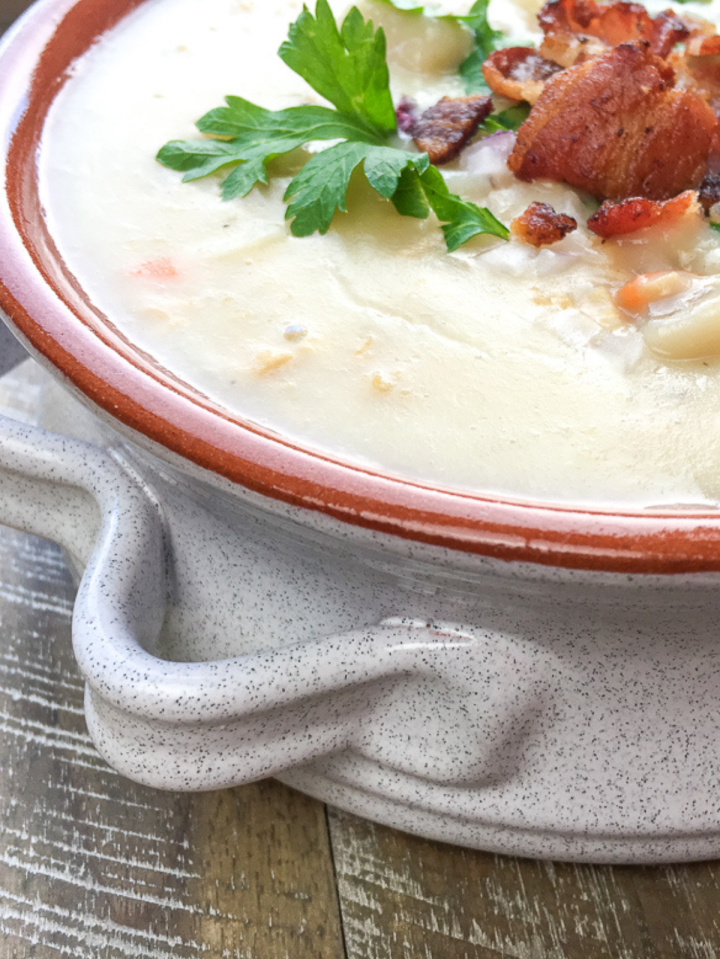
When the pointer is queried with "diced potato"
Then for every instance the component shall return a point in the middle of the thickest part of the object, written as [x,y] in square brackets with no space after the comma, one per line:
[601,307]
[689,334]
[531,6]
[418,43]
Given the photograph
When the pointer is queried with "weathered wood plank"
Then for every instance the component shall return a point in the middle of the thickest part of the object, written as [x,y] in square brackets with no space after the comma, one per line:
[9,10]
[406,898]
[95,867]
[92,865]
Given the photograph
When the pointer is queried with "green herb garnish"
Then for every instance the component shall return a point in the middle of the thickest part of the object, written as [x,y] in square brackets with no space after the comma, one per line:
[486,39]
[509,119]
[714,226]
[347,67]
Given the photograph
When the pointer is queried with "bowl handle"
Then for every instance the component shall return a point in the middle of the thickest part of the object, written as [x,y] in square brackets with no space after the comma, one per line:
[185,725]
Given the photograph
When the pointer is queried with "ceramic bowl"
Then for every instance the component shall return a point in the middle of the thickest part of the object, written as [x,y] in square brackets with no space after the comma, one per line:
[513,676]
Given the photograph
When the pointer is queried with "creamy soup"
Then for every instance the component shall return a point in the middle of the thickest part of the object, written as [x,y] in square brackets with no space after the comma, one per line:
[498,368]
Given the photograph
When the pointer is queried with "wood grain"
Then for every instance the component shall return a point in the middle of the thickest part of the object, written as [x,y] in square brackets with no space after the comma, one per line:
[92,865]
[406,898]
[9,10]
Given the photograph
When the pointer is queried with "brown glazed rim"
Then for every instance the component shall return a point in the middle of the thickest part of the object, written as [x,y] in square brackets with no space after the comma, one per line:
[52,313]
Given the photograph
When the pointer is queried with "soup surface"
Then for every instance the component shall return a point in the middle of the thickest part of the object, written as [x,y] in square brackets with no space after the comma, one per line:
[498,368]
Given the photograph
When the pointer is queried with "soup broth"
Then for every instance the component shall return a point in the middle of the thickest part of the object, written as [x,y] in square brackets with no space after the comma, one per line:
[499,368]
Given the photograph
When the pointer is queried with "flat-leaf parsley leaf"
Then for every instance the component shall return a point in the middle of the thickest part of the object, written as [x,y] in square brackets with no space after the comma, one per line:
[509,119]
[348,67]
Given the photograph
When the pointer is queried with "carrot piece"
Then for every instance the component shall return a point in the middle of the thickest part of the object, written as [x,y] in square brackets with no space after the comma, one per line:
[638,293]
[162,268]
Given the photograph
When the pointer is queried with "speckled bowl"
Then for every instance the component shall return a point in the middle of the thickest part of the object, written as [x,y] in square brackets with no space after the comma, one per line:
[513,676]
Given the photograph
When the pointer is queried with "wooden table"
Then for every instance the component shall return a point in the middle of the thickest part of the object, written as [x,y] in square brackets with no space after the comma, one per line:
[95,867]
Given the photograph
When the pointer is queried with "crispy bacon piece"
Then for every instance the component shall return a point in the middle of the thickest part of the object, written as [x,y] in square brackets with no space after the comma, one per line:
[613,23]
[703,46]
[568,48]
[616,23]
[540,225]
[518,73]
[699,67]
[443,130]
[669,28]
[635,213]
[615,127]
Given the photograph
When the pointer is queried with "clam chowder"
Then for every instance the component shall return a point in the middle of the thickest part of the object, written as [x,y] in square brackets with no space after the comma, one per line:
[586,370]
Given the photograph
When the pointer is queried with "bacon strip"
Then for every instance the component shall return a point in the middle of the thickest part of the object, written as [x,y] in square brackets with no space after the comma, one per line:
[668,29]
[703,46]
[616,23]
[443,130]
[699,67]
[518,73]
[541,225]
[615,127]
[568,48]
[636,213]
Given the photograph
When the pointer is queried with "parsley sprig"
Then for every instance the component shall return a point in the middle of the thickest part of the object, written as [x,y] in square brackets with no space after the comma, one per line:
[347,66]
[510,119]
[486,39]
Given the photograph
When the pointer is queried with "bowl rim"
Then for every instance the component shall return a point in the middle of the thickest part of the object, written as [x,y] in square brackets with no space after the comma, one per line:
[52,314]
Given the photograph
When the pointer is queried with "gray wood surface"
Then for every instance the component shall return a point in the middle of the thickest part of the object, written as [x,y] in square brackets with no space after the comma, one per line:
[92,865]
[9,10]
[95,867]
[405,897]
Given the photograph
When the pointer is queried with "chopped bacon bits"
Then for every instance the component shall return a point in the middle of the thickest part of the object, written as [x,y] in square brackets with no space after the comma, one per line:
[568,48]
[636,213]
[518,73]
[443,130]
[668,29]
[540,225]
[613,23]
[616,23]
[614,126]
[699,68]
[703,46]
